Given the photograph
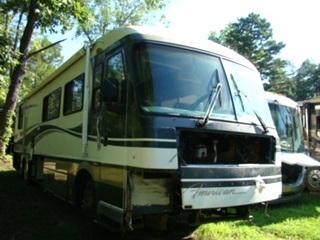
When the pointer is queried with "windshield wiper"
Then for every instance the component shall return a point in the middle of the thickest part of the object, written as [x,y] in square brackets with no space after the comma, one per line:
[238,91]
[264,126]
[215,92]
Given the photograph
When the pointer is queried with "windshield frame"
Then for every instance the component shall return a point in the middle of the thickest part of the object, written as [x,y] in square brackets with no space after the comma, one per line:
[247,90]
[288,123]
[156,110]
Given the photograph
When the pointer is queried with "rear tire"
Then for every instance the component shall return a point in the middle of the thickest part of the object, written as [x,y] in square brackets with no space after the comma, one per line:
[312,180]
[89,200]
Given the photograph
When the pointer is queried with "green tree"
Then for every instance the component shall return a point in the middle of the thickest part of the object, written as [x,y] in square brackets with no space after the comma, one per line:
[40,65]
[252,38]
[19,20]
[281,78]
[6,57]
[307,80]
[115,13]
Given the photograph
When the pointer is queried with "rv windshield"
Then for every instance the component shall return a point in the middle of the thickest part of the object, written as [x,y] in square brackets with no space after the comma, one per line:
[289,127]
[176,81]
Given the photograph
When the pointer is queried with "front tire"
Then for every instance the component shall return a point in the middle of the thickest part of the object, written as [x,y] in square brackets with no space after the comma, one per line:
[313,179]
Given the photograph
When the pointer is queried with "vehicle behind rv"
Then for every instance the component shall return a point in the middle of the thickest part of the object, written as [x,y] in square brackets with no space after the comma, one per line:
[311,125]
[287,119]
[143,127]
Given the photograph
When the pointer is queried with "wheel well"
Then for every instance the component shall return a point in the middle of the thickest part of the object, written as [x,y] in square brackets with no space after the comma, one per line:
[83,176]
[17,161]
[23,165]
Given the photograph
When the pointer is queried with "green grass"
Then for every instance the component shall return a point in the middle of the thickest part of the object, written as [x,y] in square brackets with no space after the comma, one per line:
[300,220]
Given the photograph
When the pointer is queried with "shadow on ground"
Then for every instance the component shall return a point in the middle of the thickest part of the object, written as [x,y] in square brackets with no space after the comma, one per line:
[27,212]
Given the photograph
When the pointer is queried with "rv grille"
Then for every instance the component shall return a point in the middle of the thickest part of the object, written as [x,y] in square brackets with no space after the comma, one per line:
[224,148]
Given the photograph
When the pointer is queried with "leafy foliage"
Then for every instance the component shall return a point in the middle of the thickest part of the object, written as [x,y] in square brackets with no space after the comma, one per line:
[115,13]
[23,65]
[19,20]
[40,65]
[282,80]
[252,38]
[308,81]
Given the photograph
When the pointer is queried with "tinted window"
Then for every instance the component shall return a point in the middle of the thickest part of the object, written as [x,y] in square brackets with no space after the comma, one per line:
[51,105]
[73,95]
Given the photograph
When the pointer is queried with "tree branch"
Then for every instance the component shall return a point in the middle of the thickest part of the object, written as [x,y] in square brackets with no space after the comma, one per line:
[30,55]
[129,15]
[17,35]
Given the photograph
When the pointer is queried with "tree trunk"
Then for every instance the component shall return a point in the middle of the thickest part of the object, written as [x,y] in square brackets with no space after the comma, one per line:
[6,117]
[5,132]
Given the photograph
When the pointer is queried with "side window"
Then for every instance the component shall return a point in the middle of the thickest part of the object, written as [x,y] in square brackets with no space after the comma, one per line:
[51,105]
[115,71]
[97,87]
[73,95]
[20,117]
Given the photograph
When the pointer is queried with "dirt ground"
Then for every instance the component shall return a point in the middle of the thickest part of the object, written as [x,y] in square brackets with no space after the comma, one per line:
[6,165]
[29,213]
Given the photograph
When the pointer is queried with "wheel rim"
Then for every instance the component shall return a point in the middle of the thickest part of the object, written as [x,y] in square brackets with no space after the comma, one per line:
[314,178]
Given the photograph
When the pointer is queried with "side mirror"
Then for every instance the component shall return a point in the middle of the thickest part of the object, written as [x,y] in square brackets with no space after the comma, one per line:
[110,90]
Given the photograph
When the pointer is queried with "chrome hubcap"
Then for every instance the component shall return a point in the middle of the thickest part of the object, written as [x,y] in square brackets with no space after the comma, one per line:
[314,178]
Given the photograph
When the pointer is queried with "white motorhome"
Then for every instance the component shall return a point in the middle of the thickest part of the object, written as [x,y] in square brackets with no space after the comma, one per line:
[287,119]
[143,124]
